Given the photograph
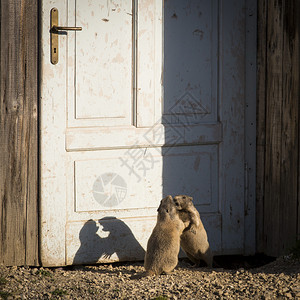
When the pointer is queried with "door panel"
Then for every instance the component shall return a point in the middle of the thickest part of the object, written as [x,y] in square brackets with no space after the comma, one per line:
[147,100]
[191,61]
[108,184]
[104,69]
[106,240]
[111,191]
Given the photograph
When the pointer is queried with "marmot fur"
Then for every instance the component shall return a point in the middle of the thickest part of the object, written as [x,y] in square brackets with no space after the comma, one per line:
[194,238]
[164,243]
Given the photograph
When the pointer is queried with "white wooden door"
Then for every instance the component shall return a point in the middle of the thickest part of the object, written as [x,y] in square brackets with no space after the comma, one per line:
[147,100]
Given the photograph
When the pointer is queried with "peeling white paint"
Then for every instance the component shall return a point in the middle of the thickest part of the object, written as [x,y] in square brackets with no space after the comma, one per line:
[110,133]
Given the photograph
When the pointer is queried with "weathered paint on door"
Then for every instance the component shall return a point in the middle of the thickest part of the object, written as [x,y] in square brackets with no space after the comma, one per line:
[147,100]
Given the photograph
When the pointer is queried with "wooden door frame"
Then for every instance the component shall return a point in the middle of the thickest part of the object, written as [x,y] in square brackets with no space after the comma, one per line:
[250,127]
[19,132]
[278,82]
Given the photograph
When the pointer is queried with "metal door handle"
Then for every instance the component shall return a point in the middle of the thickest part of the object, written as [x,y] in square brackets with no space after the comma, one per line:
[57,28]
[54,33]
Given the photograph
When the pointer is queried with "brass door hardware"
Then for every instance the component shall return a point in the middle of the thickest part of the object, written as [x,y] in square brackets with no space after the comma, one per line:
[57,28]
[54,32]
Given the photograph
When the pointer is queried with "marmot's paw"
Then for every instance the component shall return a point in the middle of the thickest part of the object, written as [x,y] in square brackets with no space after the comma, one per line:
[107,255]
[193,229]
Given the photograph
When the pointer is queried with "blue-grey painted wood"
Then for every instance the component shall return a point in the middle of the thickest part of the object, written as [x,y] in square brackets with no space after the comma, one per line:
[232,114]
[209,78]
[250,127]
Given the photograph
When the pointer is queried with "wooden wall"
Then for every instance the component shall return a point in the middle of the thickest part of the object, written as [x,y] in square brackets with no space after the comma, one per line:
[18,132]
[277,126]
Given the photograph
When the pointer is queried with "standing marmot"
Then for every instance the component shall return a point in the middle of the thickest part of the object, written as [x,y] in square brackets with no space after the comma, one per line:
[194,238]
[164,243]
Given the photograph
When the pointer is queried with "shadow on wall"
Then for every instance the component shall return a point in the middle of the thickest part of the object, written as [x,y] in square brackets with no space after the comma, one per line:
[190,108]
[119,240]
[188,159]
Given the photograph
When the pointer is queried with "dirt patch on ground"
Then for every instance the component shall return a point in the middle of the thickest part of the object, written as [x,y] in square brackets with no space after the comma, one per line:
[234,278]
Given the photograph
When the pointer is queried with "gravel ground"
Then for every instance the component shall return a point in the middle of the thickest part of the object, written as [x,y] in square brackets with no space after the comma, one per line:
[279,279]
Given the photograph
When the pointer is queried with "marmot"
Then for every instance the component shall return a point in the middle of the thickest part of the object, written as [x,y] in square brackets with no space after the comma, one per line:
[164,243]
[194,238]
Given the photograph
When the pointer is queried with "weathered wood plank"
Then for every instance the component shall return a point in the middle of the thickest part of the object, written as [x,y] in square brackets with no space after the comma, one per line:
[18,131]
[279,197]
[290,124]
[261,121]
[273,127]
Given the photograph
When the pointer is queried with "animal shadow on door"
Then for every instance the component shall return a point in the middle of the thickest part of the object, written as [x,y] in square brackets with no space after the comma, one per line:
[117,239]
